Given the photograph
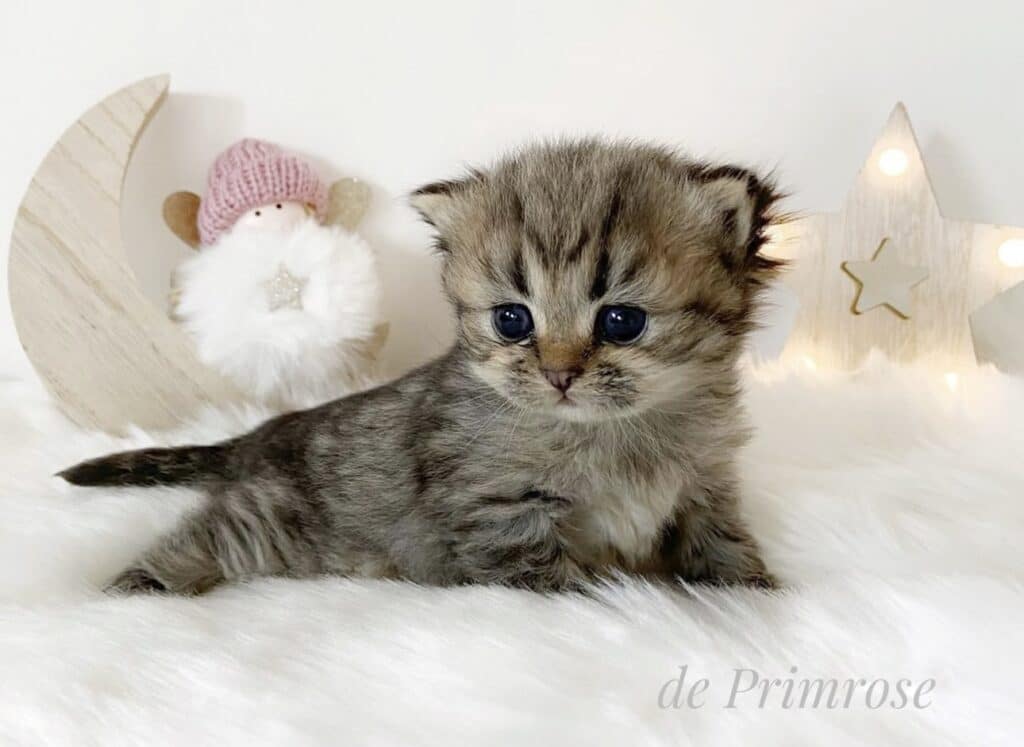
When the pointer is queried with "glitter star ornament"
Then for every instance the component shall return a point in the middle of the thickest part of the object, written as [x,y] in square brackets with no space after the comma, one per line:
[932,271]
[884,281]
[284,290]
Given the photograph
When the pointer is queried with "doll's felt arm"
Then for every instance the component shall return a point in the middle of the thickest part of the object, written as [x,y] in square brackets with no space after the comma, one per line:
[347,201]
[181,211]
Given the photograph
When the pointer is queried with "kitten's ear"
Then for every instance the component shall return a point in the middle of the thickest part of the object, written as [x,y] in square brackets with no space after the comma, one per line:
[438,203]
[746,207]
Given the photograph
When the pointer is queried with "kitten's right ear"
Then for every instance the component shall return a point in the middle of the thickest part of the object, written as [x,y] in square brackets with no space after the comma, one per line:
[747,206]
[437,203]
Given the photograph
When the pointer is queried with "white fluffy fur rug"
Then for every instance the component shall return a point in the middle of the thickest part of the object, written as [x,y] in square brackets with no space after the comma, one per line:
[891,506]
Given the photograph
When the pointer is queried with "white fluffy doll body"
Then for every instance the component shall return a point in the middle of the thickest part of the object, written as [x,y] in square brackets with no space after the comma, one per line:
[289,313]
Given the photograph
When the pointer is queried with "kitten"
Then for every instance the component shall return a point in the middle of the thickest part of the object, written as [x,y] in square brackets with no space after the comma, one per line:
[586,419]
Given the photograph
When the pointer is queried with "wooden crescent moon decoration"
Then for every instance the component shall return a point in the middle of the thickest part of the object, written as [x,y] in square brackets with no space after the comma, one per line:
[109,356]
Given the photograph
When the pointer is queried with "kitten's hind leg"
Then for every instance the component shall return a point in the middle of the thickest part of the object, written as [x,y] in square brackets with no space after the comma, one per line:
[134,581]
[183,561]
[238,535]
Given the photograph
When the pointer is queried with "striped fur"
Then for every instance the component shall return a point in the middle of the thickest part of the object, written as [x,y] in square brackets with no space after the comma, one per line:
[473,468]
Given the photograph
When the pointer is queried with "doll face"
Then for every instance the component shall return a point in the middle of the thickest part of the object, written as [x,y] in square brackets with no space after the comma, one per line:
[277,216]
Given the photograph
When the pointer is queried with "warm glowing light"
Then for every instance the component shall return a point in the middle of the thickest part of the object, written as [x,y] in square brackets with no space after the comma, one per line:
[809,363]
[952,381]
[893,162]
[1011,252]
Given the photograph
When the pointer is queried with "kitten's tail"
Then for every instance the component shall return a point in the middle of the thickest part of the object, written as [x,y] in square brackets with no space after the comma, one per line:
[184,465]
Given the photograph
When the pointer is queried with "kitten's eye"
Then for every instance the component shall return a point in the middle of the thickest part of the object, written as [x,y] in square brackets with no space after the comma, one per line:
[621,324]
[512,321]
[257,213]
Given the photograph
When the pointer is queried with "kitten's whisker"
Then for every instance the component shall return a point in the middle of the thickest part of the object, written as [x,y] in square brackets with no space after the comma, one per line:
[503,407]
[515,424]
[479,397]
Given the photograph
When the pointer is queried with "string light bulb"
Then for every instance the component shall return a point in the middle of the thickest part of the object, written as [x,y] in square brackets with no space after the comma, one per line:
[1011,252]
[952,381]
[893,162]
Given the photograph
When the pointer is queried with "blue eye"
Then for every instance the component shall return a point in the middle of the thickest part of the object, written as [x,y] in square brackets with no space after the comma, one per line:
[512,321]
[621,324]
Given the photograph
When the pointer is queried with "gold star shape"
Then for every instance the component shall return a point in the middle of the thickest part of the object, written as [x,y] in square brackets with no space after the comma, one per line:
[891,197]
[884,281]
[284,290]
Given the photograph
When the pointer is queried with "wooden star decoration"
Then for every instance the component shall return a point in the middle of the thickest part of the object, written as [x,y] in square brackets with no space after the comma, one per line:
[998,332]
[884,281]
[892,201]
[284,290]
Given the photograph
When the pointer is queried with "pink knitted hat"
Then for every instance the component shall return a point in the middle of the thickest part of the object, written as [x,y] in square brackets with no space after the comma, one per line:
[252,173]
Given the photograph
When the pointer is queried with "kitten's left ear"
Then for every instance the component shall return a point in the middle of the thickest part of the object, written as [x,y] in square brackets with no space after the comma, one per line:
[746,206]
[438,203]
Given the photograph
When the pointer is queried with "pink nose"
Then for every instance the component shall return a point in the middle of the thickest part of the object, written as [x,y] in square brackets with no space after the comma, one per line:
[561,379]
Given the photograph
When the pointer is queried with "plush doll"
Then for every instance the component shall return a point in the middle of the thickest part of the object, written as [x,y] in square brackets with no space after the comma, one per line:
[281,296]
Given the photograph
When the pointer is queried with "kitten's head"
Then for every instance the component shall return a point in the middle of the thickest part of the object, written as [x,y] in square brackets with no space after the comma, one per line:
[594,280]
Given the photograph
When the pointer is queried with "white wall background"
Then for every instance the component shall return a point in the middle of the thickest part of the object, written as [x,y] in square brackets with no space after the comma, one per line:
[399,93]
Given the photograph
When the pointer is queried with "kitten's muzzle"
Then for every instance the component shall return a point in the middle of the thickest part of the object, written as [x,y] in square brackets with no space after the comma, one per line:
[562,378]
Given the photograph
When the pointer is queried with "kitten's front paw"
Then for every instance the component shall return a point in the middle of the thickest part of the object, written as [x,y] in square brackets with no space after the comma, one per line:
[754,575]
[135,581]
[763,580]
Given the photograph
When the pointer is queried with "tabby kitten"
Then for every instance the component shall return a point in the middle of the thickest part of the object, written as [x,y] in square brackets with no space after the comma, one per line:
[586,419]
